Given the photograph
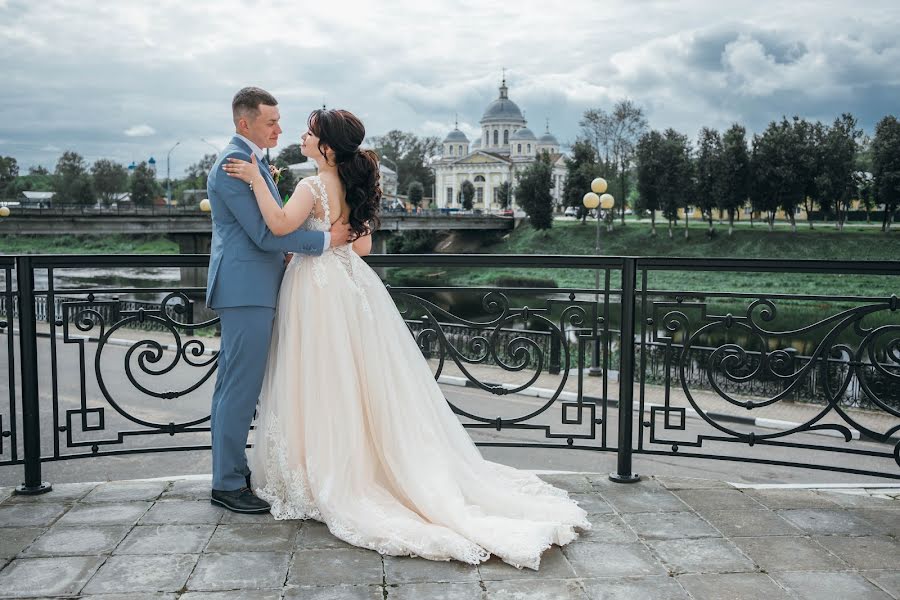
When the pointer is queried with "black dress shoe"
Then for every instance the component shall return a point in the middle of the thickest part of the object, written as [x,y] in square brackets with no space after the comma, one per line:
[240,501]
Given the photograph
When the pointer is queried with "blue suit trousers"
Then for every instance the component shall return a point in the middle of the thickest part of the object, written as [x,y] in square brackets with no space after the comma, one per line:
[246,333]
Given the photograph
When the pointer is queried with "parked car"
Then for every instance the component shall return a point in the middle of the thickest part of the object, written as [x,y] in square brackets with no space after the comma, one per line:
[571,211]
[506,212]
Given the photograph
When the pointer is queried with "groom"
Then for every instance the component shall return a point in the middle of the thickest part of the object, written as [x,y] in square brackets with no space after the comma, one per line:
[246,265]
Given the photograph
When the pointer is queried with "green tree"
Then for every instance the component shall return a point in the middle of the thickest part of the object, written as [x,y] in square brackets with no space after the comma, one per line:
[409,155]
[110,179]
[198,172]
[504,194]
[290,155]
[735,172]
[286,182]
[72,183]
[533,187]
[650,174]
[677,175]
[710,173]
[886,167]
[776,176]
[836,179]
[467,189]
[629,124]
[9,171]
[144,187]
[415,191]
[581,170]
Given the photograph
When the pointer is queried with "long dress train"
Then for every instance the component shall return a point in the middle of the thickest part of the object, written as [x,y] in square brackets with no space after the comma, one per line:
[352,430]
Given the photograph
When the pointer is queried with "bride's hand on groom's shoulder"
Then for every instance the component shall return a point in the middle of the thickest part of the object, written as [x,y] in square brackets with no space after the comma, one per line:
[241,169]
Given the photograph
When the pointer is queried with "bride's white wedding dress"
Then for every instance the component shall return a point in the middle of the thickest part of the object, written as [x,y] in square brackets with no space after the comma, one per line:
[352,430]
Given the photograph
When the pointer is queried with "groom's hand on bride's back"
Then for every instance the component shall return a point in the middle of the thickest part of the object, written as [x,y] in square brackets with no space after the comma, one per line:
[340,233]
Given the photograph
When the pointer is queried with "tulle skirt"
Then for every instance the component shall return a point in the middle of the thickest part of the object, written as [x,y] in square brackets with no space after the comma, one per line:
[352,430]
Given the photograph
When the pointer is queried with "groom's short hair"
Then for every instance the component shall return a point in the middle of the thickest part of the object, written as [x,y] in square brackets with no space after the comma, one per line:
[246,102]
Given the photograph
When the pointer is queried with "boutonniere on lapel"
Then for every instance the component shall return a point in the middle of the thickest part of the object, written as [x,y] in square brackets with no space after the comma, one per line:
[275,172]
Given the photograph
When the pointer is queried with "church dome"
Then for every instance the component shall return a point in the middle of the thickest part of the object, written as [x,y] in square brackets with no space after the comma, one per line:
[523,134]
[456,136]
[502,109]
[548,140]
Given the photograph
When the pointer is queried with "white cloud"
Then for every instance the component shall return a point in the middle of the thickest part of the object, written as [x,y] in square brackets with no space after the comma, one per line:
[139,131]
[78,76]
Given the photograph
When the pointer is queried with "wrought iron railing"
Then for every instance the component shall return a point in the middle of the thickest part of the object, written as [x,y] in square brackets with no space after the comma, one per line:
[78,386]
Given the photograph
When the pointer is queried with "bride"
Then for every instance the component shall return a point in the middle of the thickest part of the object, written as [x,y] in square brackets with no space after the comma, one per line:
[352,429]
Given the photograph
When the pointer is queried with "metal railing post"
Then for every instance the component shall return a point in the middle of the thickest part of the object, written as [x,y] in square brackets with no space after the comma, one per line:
[31,416]
[623,472]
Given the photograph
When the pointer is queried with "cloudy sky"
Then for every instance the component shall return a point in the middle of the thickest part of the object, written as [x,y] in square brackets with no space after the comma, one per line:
[126,80]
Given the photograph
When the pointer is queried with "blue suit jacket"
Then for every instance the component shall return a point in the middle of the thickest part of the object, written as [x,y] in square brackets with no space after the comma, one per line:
[246,261]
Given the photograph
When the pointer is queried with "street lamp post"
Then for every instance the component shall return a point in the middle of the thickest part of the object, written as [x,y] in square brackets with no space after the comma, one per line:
[168,174]
[592,201]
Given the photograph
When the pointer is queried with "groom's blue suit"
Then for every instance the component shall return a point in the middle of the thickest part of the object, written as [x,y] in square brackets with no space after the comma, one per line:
[246,265]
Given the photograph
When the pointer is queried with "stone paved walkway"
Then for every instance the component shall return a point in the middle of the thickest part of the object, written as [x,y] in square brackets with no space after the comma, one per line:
[660,539]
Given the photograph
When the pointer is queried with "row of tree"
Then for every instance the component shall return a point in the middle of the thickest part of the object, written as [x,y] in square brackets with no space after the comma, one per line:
[793,164]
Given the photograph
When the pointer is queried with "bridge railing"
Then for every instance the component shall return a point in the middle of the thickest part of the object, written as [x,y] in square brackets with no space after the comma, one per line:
[634,363]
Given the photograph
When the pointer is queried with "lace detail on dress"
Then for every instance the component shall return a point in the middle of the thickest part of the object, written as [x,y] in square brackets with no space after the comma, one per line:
[287,490]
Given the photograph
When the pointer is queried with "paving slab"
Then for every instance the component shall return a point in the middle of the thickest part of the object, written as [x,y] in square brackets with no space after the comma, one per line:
[870,552]
[233,595]
[750,523]
[166,539]
[709,500]
[314,535]
[817,585]
[119,513]
[822,521]
[554,565]
[648,499]
[669,525]
[612,560]
[732,586]
[59,576]
[31,515]
[188,489]
[436,591]
[233,517]
[886,522]
[62,493]
[888,580]
[711,555]
[406,569]
[789,554]
[571,482]
[240,570]
[154,573]
[787,498]
[608,529]
[269,537]
[861,500]
[337,592]
[544,589]
[689,483]
[126,491]
[634,588]
[5,492]
[182,512]
[149,596]
[337,566]
[593,504]
[15,539]
[77,541]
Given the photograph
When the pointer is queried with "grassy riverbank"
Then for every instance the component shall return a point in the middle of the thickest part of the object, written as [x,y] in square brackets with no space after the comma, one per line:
[86,244]
[571,237]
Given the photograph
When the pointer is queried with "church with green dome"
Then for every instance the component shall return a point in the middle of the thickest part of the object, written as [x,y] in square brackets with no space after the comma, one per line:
[506,146]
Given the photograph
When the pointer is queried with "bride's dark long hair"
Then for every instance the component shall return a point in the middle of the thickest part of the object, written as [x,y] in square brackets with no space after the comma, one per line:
[343,132]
